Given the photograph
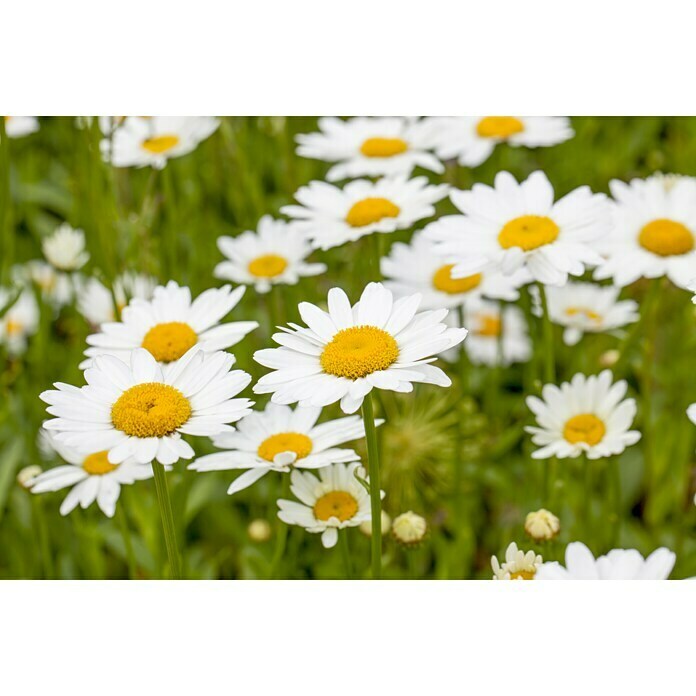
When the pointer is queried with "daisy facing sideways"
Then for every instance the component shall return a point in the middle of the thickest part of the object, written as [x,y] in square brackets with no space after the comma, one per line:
[587,308]
[618,564]
[346,352]
[333,501]
[367,146]
[513,225]
[19,319]
[472,139]
[330,216]
[65,248]
[415,267]
[587,414]
[136,411]
[274,255]
[170,324]
[143,142]
[518,565]
[19,126]
[655,228]
[91,478]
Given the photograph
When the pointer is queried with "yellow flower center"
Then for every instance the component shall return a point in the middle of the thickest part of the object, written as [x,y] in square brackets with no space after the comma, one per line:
[666,238]
[499,126]
[359,351]
[489,325]
[159,144]
[14,328]
[298,443]
[267,266]
[528,232]
[383,147]
[150,409]
[335,504]
[585,427]
[169,341]
[523,575]
[443,281]
[98,464]
[371,210]
[590,315]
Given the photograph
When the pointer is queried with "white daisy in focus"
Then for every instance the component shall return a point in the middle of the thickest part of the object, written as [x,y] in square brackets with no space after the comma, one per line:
[170,324]
[150,142]
[415,267]
[518,565]
[56,287]
[333,501]
[346,352]
[137,411]
[91,476]
[618,564]
[472,139]
[587,414]
[96,303]
[587,308]
[274,255]
[654,235]
[280,439]
[514,225]
[19,126]
[329,216]
[371,146]
[65,248]
[19,319]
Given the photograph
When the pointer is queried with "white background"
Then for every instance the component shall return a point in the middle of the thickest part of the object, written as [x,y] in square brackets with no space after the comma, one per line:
[346,57]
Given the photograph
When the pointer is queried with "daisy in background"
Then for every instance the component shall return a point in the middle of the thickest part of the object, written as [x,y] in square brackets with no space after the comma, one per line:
[587,414]
[280,439]
[170,324]
[150,142]
[472,139]
[655,224]
[330,216]
[19,126]
[333,501]
[618,564]
[65,248]
[91,477]
[415,267]
[518,565]
[56,287]
[137,411]
[96,303]
[19,319]
[514,225]
[346,352]
[369,146]
[586,308]
[274,255]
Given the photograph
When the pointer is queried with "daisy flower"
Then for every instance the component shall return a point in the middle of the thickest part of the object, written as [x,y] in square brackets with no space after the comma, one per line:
[92,477]
[333,501]
[655,224]
[518,565]
[137,411]
[587,308]
[618,564]
[18,320]
[150,142]
[367,146]
[472,139]
[329,216]
[274,255]
[514,225]
[416,267]
[587,414]
[65,248]
[280,439]
[346,352]
[96,303]
[56,287]
[19,126]
[170,324]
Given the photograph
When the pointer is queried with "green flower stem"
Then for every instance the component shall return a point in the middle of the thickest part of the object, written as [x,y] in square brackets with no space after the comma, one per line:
[375,488]
[547,329]
[463,373]
[376,255]
[344,543]
[165,506]
[646,311]
[44,544]
[615,520]
[127,541]
[281,532]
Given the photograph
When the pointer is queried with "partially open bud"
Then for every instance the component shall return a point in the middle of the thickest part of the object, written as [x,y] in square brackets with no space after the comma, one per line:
[366,526]
[259,530]
[542,525]
[28,474]
[609,358]
[409,528]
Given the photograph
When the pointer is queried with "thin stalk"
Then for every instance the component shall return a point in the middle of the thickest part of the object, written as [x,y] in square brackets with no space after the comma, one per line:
[344,543]
[40,521]
[547,329]
[165,506]
[615,474]
[375,488]
[376,255]
[588,492]
[463,373]
[282,532]
[127,541]
[649,301]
